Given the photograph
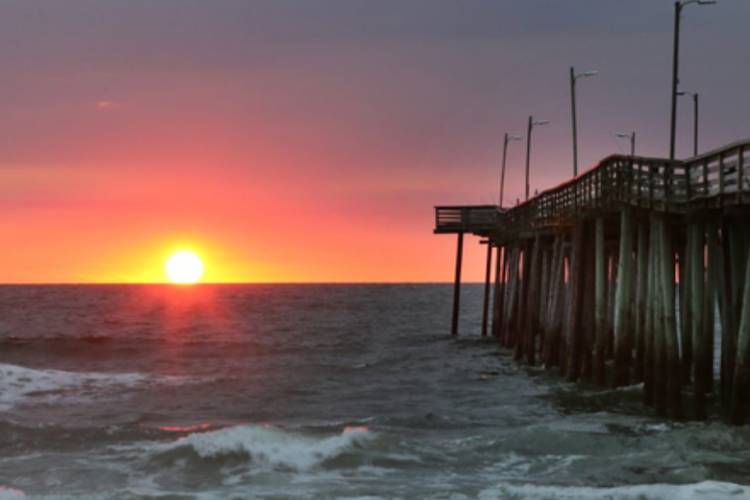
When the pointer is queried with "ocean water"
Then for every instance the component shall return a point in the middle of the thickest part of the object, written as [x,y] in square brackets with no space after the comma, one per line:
[336,391]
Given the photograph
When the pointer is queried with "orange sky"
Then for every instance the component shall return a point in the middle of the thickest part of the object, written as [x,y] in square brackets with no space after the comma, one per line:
[309,141]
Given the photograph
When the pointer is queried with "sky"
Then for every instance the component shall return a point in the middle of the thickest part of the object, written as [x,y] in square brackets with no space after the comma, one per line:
[308,141]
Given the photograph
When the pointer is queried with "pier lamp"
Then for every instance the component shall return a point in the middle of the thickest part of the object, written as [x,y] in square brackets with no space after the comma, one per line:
[506,140]
[694,95]
[678,6]
[532,123]
[573,79]
[631,136]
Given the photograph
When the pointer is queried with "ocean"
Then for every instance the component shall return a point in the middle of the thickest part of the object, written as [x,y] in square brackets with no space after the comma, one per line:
[317,391]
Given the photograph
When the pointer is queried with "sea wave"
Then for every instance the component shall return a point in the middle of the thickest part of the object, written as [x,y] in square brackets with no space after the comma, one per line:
[267,446]
[19,384]
[705,490]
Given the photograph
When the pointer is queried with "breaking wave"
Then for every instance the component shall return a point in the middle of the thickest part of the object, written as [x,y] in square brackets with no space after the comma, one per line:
[19,384]
[267,446]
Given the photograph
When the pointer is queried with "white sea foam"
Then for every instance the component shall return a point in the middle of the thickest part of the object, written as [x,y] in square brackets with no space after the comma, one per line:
[20,384]
[706,490]
[271,447]
[7,493]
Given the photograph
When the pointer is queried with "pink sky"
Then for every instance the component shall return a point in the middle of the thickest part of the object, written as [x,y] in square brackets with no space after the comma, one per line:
[309,142]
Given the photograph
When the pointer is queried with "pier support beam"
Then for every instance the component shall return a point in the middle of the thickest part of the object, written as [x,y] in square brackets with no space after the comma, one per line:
[457,283]
[588,312]
[600,299]
[519,325]
[533,300]
[511,295]
[574,331]
[651,321]
[641,299]
[497,303]
[623,301]
[669,327]
[702,343]
[487,270]
[555,311]
[685,308]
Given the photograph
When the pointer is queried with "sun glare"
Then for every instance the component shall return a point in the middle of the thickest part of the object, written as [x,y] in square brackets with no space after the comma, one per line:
[184,267]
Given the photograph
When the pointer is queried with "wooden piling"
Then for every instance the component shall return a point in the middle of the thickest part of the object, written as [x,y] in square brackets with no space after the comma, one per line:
[457,283]
[709,305]
[623,301]
[641,299]
[669,327]
[728,332]
[611,290]
[555,312]
[520,320]
[701,344]
[600,281]
[685,308]
[588,313]
[498,291]
[651,321]
[544,291]
[563,344]
[510,295]
[533,300]
[573,341]
[485,307]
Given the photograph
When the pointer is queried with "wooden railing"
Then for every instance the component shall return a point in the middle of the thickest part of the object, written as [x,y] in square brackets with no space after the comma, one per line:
[721,177]
[718,178]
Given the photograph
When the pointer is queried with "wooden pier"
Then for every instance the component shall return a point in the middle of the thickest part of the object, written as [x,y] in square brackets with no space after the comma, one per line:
[620,275]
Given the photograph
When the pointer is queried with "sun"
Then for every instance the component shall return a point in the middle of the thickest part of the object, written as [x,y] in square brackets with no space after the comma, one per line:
[184,267]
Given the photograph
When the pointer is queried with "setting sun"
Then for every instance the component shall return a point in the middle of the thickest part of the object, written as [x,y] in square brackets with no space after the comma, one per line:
[184,267]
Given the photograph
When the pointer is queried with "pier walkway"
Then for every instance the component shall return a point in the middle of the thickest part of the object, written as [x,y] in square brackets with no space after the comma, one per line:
[589,277]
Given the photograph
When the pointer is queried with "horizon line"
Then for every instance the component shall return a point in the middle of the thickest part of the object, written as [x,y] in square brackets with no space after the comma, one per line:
[230,283]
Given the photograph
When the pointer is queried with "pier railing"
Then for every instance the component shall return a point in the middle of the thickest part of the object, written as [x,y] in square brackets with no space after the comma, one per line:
[715,179]
[718,178]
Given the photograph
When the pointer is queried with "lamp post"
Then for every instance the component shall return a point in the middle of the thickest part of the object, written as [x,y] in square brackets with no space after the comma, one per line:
[532,123]
[630,136]
[678,6]
[695,119]
[506,140]
[573,79]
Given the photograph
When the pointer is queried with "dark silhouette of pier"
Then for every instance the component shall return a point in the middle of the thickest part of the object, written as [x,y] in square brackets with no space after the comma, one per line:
[619,276]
